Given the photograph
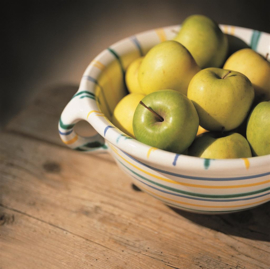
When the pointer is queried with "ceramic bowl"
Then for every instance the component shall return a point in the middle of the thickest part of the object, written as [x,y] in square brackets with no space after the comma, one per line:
[188,183]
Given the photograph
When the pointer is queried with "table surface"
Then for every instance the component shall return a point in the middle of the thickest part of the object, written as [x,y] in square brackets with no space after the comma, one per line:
[64,209]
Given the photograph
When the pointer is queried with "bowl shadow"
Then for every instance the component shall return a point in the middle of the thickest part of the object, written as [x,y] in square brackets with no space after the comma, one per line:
[235,43]
[252,224]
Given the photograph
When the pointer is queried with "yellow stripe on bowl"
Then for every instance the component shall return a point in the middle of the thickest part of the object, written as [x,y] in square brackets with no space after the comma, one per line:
[98,113]
[189,184]
[200,205]
[161,34]
[71,141]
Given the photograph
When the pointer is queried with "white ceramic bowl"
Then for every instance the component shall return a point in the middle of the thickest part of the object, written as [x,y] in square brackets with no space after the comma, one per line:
[188,183]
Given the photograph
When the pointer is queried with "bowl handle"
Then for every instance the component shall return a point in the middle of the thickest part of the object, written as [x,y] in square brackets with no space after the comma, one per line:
[74,112]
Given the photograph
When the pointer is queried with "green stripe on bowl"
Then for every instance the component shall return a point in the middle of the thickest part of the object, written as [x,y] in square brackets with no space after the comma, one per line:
[195,198]
[91,95]
[255,39]
[118,59]
[137,44]
[65,126]
[197,177]
[198,210]
[192,193]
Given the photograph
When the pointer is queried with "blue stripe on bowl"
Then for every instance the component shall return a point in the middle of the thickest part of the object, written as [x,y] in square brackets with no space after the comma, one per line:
[106,129]
[198,178]
[91,79]
[66,133]
[193,194]
[190,197]
[175,159]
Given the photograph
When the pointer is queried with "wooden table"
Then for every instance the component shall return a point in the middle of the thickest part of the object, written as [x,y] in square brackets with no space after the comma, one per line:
[64,209]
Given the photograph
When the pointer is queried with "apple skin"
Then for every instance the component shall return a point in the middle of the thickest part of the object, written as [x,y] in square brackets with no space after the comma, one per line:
[222,103]
[255,67]
[168,65]
[258,129]
[123,113]
[131,76]
[213,145]
[180,125]
[204,39]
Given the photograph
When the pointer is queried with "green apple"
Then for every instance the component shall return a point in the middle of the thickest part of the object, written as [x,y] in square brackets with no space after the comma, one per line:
[168,65]
[258,129]
[123,113]
[214,145]
[204,39]
[131,76]
[167,120]
[222,98]
[255,67]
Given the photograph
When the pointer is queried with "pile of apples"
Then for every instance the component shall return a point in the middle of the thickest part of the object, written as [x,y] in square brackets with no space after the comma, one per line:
[187,96]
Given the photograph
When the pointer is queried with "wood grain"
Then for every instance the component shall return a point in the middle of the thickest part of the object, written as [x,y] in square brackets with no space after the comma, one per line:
[40,118]
[64,209]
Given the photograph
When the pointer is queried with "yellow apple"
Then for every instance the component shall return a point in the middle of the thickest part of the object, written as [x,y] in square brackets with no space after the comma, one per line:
[215,145]
[123,113]
[222,98]
[204,39]
[168,65]
[201,130]
[255,67]
[131,77]
[258,129]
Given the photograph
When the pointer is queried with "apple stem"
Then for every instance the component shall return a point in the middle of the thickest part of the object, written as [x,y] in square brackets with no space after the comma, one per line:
[227,74]
[266,57]
[151,110]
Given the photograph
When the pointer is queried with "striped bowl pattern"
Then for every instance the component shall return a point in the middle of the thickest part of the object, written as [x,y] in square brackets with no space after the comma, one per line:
[192,184]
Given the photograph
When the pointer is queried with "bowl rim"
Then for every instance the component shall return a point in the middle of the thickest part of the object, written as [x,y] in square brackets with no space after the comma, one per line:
[159,157]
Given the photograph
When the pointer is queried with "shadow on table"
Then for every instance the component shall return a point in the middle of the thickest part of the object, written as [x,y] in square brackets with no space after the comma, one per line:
[252,224]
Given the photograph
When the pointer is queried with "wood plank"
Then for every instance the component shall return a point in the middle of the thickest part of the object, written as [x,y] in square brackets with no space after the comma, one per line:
[60,208]
[40,119]
[28,242]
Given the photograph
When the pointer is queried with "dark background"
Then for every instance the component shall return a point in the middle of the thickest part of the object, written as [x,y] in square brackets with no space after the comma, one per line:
[49,43]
